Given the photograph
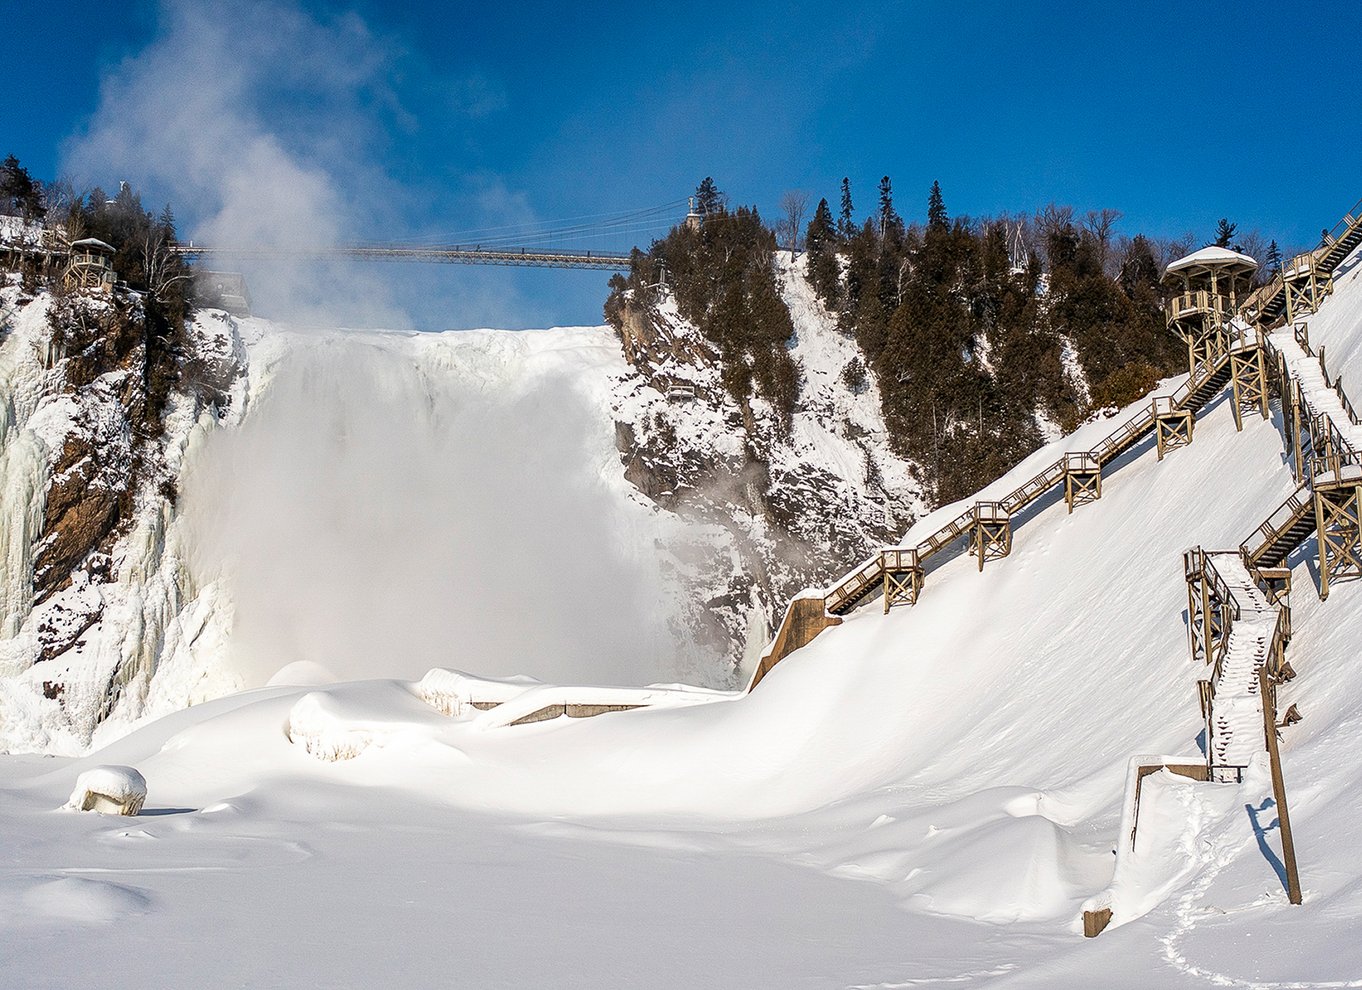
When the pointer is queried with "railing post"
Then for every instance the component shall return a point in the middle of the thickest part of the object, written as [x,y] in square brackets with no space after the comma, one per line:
[1293,880]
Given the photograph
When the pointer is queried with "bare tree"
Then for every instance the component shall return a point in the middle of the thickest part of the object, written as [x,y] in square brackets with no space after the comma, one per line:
[793,205]
[1053,219]
[162,266]
[1254,244]
[1171,249]
[1100,224]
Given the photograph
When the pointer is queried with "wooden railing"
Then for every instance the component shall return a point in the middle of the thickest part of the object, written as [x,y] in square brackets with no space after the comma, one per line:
[899,559]
[854,585]
[1335,245]
[1334,463]
[1350,224]
[1197,562]
[1278,524]
[1197,302]
[1281,635]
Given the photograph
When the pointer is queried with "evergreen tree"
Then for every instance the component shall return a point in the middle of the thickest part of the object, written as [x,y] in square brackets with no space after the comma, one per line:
[936,208]
[820,241]
[708,199]
[890,222]
[846,227]
[1274,258]
[1224,233]
[20,194]
[166,222]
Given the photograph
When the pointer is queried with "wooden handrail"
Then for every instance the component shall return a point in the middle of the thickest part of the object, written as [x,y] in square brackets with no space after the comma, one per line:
[1295,504]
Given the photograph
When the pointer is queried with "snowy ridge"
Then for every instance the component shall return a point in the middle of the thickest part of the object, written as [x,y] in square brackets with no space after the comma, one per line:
[785,509]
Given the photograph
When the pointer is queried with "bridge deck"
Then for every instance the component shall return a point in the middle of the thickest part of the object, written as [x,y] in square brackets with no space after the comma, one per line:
[455,255]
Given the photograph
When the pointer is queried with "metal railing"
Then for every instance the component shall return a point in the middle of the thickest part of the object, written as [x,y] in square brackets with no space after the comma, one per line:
[455,254]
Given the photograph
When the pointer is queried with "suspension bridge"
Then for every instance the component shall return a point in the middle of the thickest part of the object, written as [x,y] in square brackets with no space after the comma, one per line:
[595,241]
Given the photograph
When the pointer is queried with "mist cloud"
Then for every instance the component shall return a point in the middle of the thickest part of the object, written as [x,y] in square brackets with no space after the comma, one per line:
[266,126]
[380,515]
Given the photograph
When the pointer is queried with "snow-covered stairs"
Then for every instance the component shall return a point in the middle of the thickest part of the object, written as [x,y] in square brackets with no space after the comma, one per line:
[1235,726]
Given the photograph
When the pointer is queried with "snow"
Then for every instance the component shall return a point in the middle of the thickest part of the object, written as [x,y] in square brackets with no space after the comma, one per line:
[1210,256]
[927,797]
[118,790]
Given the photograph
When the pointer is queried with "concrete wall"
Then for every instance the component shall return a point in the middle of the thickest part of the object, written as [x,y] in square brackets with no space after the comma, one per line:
[804,619]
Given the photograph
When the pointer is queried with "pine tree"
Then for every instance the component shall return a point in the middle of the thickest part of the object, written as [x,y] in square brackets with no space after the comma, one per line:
[846,227]
[1224,233]
[936,209]
[820,241]
[20,194]
[1274,258]
[708,199]
[890,222]
[166,223]
[821,233]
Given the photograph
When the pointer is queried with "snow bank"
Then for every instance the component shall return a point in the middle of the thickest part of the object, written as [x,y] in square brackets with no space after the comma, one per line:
[343,722]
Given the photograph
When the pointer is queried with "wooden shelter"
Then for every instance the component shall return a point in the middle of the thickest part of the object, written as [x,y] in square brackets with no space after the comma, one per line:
[90,266]
[1212,281]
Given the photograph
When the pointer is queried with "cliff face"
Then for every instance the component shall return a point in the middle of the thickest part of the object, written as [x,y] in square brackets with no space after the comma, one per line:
[87,507]
[787,508]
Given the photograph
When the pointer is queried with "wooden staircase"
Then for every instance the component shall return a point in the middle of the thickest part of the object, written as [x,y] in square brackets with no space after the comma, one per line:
[1231,353]
[1289,525]
[905,565]
[1268,306]
[1249,634]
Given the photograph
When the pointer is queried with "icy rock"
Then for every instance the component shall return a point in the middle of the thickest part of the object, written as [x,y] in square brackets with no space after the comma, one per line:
[444,690]
[314,724]
[110,790]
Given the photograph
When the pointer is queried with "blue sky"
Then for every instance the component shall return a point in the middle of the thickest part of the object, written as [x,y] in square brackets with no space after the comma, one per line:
[424,119]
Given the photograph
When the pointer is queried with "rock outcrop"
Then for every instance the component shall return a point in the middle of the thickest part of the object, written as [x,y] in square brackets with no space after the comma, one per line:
[786,507]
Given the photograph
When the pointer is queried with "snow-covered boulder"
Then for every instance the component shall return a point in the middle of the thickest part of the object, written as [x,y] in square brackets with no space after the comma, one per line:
[109,790]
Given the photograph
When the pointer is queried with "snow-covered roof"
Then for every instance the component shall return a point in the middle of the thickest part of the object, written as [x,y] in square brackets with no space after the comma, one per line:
[1218,258]
[92,244]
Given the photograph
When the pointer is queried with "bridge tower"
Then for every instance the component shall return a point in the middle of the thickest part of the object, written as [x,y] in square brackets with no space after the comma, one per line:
[693,217]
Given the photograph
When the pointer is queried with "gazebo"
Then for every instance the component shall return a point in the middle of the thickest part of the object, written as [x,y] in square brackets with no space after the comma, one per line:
[1212,280]
[90,265]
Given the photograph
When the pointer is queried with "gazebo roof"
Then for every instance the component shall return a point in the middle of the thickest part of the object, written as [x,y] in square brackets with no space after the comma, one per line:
[93,244]
[1212,260]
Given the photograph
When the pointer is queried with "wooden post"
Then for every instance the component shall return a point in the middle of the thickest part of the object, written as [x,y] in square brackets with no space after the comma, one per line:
[1172,429]
[1296,428]
[1241,393]
[1293,880]
[1338,526]
[1207,632]
[1095,921]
